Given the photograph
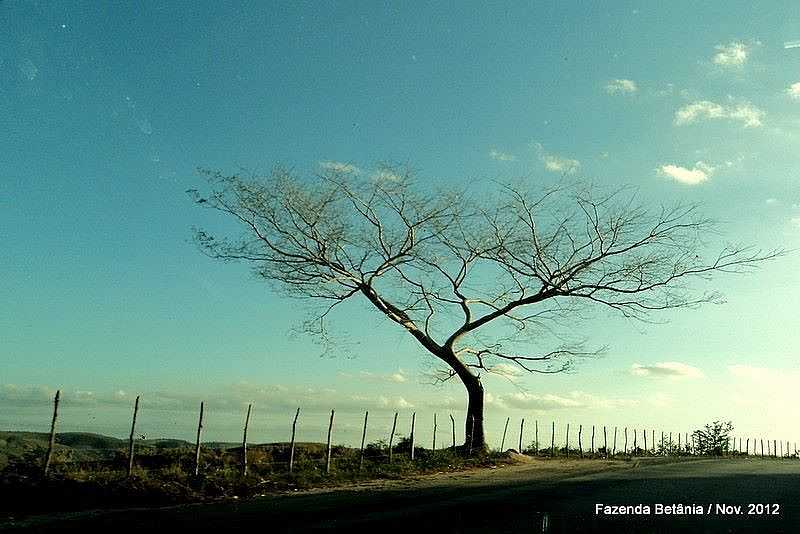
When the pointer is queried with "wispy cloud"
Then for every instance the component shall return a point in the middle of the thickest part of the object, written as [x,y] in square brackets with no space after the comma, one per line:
[398,377]
[621,86]
[700,173]
[666,370]
[733,54]
[509,371]
[794,91]
[224,399]
[385,175]
[339,167]
[498,155]
[572,400]
[556,163]
[744,112]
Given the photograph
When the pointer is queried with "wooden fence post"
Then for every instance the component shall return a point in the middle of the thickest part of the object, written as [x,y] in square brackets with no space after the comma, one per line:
[413,421]
[679,442]
[553,440]
[635,445]
[130,439]
[391,436]
[291,446]
[471,433]
[52,441]
[536,436]
[244,440]
[655,448]
[747,446]
[592,449]
[762,447]
[433,447]
[363,440]
[614,446]
[663,448]
[625,448]
[521,427]
[505,429]
[605,441]
[670,443]
[566,441]
[453,423]
[580,437]
[197,441]
[774,449]
[644,433]
[328,453]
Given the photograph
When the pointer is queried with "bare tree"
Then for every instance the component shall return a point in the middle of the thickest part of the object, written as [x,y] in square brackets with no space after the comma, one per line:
[478,281]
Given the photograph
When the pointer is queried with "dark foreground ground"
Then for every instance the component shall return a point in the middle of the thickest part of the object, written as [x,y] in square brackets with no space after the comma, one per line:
[532,496]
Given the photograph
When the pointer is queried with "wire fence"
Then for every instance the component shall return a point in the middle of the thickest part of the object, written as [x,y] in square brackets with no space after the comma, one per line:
[533,437]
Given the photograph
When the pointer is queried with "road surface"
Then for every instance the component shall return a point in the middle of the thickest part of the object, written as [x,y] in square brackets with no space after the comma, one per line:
[531,497]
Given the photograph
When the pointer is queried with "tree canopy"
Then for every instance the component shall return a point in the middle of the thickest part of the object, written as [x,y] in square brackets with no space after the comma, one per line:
[445,265]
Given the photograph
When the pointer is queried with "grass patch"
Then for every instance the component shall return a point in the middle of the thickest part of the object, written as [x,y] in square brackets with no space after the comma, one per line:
[165,475]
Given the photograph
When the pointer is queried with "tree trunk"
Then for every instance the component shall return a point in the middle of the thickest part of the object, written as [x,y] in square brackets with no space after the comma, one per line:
[474,420]
[474,437]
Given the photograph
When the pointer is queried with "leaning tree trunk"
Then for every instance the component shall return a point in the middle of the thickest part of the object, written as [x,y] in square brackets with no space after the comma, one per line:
[474,438]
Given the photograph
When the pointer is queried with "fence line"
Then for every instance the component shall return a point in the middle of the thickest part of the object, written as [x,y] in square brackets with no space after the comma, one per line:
[666,445]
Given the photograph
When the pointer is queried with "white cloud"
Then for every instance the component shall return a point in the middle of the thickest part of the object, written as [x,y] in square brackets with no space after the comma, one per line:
[506,370]
[666,370]
[555,162]
[795,221]
[448,403]
[772,201]
[749,115]
[734,54]
[385,175]
[230,398]
[26,395]
[501,156]
[794,91]
[398,403]
[621,86]
[573,400]
[339,167]
[398,377]
[527,401]
[700,173]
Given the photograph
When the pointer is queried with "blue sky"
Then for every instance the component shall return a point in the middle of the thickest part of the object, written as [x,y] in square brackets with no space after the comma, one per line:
[106,112]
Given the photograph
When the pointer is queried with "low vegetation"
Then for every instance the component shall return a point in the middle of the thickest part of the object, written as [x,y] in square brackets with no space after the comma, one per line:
[89,470]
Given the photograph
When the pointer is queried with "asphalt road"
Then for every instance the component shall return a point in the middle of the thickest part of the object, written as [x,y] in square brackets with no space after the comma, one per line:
[531,498]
